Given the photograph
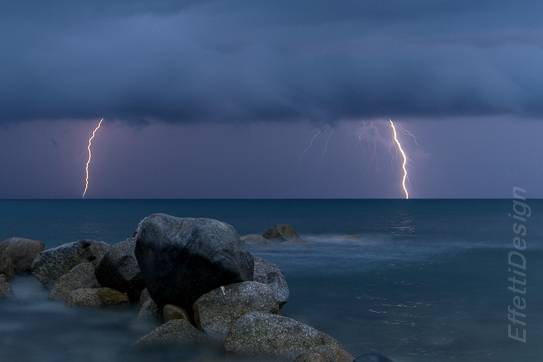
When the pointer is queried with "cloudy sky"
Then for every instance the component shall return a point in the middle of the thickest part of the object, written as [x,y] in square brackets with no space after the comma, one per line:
[223,98]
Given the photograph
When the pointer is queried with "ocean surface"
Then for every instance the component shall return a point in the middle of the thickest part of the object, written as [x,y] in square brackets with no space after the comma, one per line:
[413,280]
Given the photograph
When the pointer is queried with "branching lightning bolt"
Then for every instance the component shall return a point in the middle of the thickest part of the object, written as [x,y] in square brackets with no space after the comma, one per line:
[404,157]
[408,133]
[89,159]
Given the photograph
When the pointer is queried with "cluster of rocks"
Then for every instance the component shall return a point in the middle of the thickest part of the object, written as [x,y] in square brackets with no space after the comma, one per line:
[192,275]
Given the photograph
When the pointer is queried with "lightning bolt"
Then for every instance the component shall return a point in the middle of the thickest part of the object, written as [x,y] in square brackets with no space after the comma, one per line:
[317,134]
[325,149]
[89,148]
[404,157]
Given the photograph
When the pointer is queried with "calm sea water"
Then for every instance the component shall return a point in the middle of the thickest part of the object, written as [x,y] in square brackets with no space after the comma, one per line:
[414,280]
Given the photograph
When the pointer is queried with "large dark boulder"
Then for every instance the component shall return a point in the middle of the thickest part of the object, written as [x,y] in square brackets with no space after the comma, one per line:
[51,264]
[184,258]
[119,269]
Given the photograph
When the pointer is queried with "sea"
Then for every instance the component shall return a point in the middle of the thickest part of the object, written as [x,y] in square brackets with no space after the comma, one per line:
[413,280]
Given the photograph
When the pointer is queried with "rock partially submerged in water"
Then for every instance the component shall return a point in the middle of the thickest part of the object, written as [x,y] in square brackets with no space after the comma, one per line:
[119,269]
[96,297]
[215,311]
[81,276]
[5,288]
[51,264]
[177,331]
[184,258]
[17,255]
[268,273]
[258,333]
[281,232]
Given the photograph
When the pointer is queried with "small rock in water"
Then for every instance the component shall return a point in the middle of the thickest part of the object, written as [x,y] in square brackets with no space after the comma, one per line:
[149,310]
[176,331]
[81,276]
[258,333]
[5,288]
[184,258]
[22,252]
[214,312]
[281,232]
[51,264]
[96,297]
[119,269]
[171,312]
[268,273]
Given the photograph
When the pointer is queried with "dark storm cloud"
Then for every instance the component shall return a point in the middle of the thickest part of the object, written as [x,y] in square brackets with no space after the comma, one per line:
[245,60]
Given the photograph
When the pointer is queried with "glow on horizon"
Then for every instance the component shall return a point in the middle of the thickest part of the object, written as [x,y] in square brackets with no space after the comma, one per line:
[404,157]
[89,159]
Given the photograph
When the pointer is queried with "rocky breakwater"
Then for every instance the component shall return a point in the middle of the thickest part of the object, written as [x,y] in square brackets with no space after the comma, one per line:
[191,276]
